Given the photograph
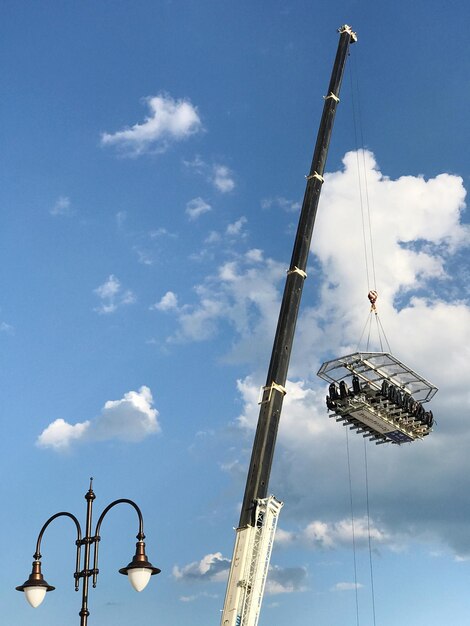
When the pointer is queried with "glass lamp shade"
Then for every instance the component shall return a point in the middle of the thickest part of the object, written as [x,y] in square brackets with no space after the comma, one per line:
[35,587]
[139,577]
[139,569]
[35,595]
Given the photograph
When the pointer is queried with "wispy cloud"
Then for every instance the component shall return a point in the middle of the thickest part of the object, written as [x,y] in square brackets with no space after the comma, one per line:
[213,237]
[121,217]
[6,328]
[219,175]
[169,121]
[235,229]
[62,206]
[130,419]
[197,596]
[197,207]
[144,255]
[290,206]
[222,177]
[346,586]
[235,294]
[112,296]
[214,568]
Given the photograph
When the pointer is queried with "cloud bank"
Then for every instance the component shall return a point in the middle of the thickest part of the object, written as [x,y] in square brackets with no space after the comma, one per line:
[419,237]
[130,419]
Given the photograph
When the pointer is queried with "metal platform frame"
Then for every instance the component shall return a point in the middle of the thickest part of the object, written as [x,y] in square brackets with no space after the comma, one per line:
[396,417]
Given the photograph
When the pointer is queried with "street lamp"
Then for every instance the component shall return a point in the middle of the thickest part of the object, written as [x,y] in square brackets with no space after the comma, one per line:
[139,569]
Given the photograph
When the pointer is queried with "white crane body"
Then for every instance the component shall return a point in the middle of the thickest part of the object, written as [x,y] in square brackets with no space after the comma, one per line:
[250,564]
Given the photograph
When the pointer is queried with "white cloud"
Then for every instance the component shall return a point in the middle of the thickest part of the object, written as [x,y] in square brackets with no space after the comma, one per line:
[404,213]
[235,229]
[222,178]
[233,295]
[144,255]
[290,206]
[6,328]
[219,175]
[170,120]
[112,296]
[424,306]
[161,232]
[168,302]
[62,206]
[197,164]
[197,207]
[212,237]
[121,217]
[196,596]
[130,419]
[285,580]
[255,255]
[415,244]
[337,534]
[150,246]
[59,434]
[347,586]
[303,410]
[213,567]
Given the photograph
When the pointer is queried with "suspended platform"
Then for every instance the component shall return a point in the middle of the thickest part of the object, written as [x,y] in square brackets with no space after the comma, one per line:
[378,396]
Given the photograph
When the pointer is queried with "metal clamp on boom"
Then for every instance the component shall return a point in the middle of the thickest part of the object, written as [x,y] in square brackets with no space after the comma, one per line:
[315,175]
[272,387]
[297,270]
[332,96]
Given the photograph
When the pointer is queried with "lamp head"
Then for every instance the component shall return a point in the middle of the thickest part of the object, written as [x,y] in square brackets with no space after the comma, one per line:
[139,569]
[35,587]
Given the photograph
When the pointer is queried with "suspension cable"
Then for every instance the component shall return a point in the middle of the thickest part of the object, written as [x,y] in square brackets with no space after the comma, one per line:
[368,533]
[366,221]
[362,335]
[352,527]
[383,332]
[369,221]
[359,180]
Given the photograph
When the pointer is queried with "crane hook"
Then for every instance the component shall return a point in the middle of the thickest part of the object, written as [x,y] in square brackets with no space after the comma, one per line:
[373,295]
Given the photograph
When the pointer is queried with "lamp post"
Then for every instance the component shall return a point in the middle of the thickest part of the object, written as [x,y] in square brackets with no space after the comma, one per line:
[139,569]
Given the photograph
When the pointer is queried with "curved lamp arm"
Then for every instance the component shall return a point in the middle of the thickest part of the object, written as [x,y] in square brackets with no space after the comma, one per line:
[140,535]
[37,555]
[36,587]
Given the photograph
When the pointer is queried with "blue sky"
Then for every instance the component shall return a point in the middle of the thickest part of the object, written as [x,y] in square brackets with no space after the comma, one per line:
[153,160]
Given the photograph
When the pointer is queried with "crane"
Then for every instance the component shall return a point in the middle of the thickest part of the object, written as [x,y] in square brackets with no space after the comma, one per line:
[259,513]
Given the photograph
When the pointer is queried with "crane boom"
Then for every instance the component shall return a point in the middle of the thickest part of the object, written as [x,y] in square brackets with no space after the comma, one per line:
[259,514]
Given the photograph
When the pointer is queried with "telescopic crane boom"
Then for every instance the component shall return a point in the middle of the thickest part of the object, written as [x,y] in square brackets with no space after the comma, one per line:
[259,513]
